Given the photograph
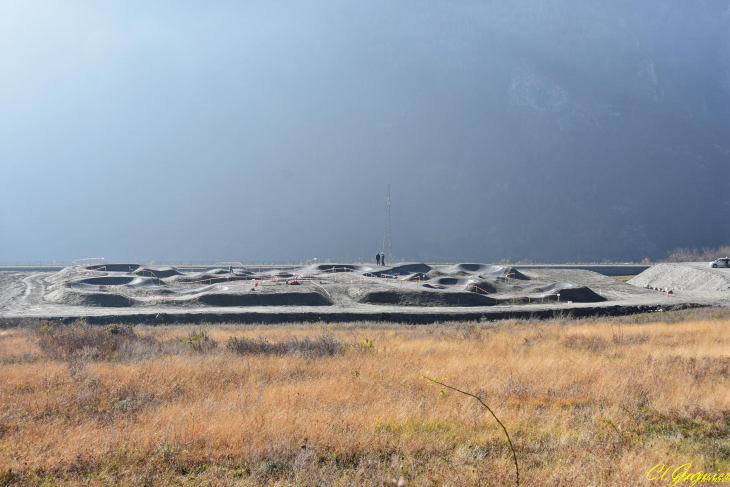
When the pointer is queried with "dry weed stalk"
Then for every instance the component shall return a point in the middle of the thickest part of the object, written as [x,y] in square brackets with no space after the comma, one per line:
[509,440]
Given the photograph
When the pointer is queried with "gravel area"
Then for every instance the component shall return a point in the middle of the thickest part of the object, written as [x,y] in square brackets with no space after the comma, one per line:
[684,277]
[360,295]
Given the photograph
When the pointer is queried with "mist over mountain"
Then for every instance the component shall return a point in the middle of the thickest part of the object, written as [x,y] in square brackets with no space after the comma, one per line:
[546,130]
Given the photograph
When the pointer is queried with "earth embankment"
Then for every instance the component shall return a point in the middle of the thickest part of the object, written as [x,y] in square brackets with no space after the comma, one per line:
[683,277]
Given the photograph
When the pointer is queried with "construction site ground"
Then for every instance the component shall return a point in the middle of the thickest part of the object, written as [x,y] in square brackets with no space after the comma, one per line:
[411,293]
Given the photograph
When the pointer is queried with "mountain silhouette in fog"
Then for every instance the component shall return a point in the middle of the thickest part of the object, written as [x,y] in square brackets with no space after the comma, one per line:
[542,130]
[601,132]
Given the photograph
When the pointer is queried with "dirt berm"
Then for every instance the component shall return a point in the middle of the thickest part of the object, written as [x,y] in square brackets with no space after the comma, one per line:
[160,273]
[111,300]
[134,282]
[426,298]
[114,267]
[82,298]
[265,299]
[482,271]
[580,295]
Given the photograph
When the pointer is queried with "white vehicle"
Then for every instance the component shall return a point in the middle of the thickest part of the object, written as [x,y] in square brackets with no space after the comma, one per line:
[720,263]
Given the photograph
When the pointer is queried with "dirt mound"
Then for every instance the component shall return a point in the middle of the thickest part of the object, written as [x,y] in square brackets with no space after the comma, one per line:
[160,273]
[681,277]
[117,281]
[425,298]
[206,278]
[400,269]
[265,299]
[418,276]
[473,269]
[566,290]
[279,274]
[68,273]
[335,268]
[82,298]
[460,284]
[499,273]
[552,287]
[216,271]
[475,287]
[451,281]
[483,271]
[410,269]
[114,267]
[580,295]
[513,273]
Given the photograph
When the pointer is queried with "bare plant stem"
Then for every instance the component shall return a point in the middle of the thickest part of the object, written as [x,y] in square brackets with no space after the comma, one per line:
[514,454]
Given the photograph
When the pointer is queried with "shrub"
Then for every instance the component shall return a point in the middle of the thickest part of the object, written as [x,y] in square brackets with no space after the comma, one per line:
[64,342]
[324,345]
[366,346]
[694,255]
[200,341]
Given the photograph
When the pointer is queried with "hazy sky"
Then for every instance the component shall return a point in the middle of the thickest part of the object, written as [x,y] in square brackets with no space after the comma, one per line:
[267,131]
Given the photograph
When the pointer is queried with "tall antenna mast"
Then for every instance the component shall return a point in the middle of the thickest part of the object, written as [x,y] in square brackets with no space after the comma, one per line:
[387,241]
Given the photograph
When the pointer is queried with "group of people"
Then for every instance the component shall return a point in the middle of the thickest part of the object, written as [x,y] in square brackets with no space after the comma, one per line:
[380,259]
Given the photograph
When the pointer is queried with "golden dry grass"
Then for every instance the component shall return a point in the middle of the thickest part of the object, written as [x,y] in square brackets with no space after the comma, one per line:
[624,278]
[586,403]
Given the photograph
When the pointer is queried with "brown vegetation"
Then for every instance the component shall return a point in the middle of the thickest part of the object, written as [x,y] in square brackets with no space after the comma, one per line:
[694,255]
[591,402]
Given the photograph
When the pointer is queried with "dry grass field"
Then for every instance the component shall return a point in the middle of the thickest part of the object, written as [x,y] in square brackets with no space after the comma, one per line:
[590,402]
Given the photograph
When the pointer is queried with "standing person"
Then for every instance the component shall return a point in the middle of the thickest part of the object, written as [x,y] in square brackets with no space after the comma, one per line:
[382,258]
[377,258]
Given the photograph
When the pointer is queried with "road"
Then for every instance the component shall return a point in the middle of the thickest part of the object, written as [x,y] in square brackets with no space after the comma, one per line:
[705,266]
